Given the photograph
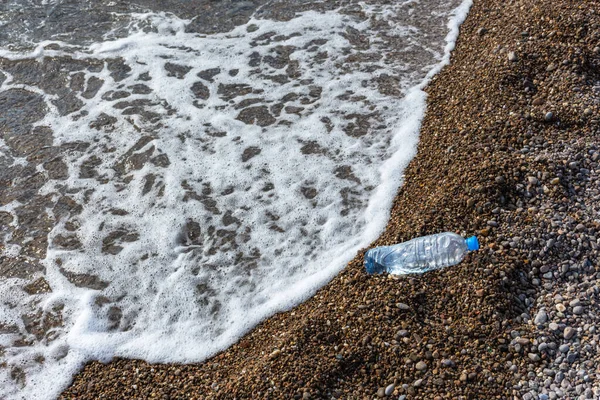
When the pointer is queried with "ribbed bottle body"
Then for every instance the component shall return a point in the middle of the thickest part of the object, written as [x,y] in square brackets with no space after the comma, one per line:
[417,255]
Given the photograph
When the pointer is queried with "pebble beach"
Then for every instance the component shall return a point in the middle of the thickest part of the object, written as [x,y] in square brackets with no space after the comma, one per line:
[509,150]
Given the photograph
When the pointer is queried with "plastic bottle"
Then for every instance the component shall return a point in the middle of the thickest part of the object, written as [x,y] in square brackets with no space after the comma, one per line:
[420,255]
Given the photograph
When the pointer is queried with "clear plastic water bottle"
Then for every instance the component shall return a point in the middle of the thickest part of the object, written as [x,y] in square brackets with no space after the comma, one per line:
[420,255]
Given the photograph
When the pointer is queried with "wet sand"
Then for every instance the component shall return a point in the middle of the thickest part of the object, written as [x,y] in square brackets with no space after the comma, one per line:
[508,151]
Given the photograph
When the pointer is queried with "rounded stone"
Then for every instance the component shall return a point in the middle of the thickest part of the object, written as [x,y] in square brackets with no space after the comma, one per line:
[541,317]
[542,346]
[390,389]
[575,302]
[421,366]
[568,333]
[563,348]
[448,363]
[402,333]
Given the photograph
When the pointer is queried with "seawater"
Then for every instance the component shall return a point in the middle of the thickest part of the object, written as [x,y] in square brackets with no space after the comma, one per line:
[212,179]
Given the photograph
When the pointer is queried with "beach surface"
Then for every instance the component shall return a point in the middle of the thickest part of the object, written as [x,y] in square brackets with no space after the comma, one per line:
[509,151]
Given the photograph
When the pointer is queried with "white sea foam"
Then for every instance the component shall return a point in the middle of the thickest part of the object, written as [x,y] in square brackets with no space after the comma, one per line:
[212,222]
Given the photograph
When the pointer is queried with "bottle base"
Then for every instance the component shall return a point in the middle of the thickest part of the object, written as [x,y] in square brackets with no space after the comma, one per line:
[371,266]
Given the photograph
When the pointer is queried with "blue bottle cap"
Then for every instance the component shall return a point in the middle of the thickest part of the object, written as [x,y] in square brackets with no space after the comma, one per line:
[472,243]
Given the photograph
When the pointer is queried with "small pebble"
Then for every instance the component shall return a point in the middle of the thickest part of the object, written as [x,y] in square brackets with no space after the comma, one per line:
[568,333]
[543,346]
[541,317]
[448,363]
[389,389]
[275,353]
[538,101]
[512,56]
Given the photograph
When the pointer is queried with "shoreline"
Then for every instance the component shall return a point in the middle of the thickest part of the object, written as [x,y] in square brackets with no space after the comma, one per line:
[490,162]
